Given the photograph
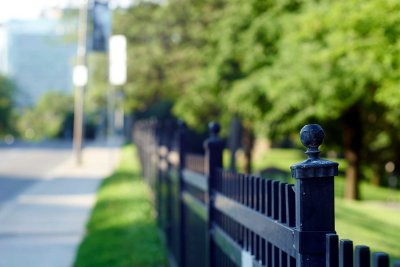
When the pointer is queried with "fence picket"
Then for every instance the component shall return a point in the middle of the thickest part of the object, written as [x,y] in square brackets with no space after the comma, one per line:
[245,199]
[262,198]
[282,203]
[269,198]
[275,216]
[254,207]
[346,253]
[332,250]
[283,260]
[275,200]
[241,200]
[282,218]
[257,208]
[237,198]
[249,204]
[380,259]
[292,262]
[269,254]
[275,256]
[290,205]
[362,256]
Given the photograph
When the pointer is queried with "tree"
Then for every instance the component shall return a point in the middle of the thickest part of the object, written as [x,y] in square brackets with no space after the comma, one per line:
[167,44]
[338,62]
[46,119]
[246,39]
[280,64]
[276,65]
[7,94]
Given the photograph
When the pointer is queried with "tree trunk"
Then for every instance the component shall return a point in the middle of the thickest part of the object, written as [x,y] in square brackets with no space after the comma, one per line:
[248,139]
[376,178]
[352,139]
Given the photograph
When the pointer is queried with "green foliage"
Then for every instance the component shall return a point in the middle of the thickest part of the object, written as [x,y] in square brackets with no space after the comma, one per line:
[337,55]
[46,119]
[98,86]
[168,45]
[97,91]
[276,65]
[7,94]
[339,64]
[233,79]
[122,231]
[150,58]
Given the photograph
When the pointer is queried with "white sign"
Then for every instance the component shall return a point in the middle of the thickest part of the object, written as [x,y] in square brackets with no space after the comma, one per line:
[117,59]
[80,75]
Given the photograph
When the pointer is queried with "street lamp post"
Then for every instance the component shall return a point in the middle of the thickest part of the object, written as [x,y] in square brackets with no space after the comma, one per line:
[80,81]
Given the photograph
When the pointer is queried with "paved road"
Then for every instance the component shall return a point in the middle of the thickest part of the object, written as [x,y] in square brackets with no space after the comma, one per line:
[23,164]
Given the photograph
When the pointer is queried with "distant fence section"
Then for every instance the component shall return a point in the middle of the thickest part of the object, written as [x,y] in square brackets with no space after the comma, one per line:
[211,217]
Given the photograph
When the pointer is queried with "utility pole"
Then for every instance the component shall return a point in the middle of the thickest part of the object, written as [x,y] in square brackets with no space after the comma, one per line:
[80,80]
[111,113]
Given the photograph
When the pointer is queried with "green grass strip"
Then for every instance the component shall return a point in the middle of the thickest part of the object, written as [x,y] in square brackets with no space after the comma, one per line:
[370,223]
[122,229]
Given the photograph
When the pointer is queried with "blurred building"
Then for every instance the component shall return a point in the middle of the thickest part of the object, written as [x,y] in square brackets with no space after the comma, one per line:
[38,55]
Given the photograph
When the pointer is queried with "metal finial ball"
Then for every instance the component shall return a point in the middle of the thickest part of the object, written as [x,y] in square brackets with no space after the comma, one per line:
[181,124]
[214,128]
[312,136]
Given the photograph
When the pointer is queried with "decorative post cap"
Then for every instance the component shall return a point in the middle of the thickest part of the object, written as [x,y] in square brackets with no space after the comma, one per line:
[312,136]
[213,140]
[181,125]
[214,129]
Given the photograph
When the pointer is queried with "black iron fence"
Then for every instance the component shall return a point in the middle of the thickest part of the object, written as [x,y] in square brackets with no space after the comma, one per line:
[213,217]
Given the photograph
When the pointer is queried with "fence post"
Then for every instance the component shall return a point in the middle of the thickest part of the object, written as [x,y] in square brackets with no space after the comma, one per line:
[315,203]
[181,151]
[213,147]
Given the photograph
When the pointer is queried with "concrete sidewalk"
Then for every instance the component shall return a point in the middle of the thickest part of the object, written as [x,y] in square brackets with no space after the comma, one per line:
[45,224]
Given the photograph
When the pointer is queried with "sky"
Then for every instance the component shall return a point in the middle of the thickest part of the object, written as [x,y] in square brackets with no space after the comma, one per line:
[24,9]
[31,9]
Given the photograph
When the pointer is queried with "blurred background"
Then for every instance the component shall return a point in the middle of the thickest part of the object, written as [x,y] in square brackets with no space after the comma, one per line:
[262,68]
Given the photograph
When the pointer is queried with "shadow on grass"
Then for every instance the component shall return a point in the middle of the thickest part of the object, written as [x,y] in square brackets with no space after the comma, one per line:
[366,226]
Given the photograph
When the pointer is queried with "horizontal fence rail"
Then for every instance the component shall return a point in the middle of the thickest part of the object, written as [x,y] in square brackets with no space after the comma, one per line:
[195,163]
[253,212]
[212,217]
